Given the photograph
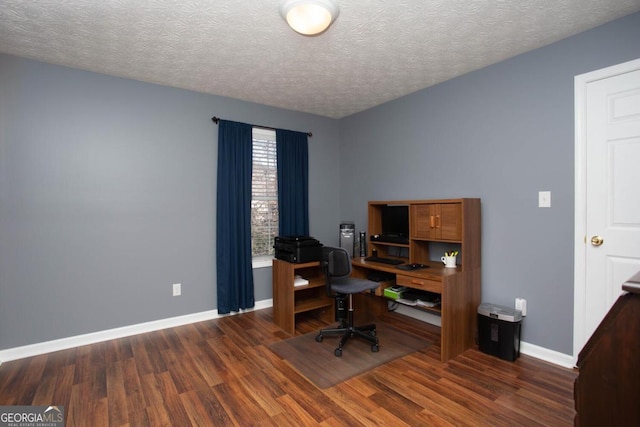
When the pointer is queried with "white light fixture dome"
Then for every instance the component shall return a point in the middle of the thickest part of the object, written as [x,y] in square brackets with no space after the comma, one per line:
[309,17]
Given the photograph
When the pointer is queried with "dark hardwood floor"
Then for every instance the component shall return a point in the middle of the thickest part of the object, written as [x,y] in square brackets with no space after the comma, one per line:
[221,372]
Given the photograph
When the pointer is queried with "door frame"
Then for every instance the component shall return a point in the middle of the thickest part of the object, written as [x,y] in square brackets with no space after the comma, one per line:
[580,234]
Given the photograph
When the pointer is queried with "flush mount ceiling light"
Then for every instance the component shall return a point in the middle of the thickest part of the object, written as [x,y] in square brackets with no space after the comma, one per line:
[309,17]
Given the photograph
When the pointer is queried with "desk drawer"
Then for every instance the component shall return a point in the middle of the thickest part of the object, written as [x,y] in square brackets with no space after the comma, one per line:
[418,283]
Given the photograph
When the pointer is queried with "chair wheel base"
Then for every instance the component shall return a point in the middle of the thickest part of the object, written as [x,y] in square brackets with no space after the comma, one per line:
[368,333]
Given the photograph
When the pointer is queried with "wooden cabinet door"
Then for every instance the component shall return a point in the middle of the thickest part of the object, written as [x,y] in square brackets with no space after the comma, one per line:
[421,222]
[450,222]
[437,221]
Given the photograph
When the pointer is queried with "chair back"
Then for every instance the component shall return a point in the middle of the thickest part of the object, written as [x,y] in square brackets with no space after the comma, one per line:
[337,265]
[338,262]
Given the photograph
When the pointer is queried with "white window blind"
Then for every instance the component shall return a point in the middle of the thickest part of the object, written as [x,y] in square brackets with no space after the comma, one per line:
[264,199]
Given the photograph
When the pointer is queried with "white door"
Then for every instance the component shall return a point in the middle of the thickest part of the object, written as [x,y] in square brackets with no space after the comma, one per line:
[607,192]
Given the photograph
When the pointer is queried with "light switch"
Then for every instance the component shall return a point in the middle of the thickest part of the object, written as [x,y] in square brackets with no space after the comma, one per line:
[544,199]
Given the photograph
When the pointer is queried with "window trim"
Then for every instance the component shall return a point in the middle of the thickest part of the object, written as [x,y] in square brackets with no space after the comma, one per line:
[262,261]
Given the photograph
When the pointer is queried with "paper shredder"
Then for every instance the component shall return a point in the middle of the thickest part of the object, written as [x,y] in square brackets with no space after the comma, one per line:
[499,331]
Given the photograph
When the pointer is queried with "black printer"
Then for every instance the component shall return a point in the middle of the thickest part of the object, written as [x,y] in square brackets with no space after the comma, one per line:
[298,249]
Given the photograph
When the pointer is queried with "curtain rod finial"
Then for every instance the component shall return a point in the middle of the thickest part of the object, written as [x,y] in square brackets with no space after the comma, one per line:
[215,119]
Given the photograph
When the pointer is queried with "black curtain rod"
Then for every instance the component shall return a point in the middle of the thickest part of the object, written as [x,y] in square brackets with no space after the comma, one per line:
[217,119]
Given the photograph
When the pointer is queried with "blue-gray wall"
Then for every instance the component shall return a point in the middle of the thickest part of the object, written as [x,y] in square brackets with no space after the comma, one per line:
[107,185]
[502,134]
[107,198]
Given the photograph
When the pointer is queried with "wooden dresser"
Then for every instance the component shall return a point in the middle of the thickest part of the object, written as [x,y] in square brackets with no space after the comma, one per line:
[607,389]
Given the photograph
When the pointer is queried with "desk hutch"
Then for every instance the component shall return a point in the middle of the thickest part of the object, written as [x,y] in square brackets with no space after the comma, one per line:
[454,222]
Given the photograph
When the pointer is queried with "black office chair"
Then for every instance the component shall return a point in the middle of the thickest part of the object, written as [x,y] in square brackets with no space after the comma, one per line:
[337,267]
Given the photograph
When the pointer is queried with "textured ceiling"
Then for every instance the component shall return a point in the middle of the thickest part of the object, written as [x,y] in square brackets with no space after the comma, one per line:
[376,51]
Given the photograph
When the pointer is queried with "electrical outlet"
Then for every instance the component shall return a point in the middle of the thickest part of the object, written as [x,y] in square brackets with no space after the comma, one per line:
[177,289]
[521,304]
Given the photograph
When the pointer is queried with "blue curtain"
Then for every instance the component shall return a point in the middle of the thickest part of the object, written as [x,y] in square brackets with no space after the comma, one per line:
[293,182]
[233,213]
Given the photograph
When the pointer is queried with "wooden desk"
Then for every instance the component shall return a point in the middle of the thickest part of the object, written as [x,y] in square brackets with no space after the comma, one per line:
[459,295]
[451,222]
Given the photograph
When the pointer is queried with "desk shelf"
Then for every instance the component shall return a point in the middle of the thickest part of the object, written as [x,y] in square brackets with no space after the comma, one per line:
[397,245]
[433,310]
[314,302]
[289,300]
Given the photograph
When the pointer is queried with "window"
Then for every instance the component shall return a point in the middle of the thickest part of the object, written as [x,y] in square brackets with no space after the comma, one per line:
[264,197]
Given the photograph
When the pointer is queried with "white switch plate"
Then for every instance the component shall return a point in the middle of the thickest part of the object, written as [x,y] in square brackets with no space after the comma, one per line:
[544,199]
[177,289]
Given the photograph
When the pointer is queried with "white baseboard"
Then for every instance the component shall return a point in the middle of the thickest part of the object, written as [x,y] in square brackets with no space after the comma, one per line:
[551,356]
[7,355]
[110,334]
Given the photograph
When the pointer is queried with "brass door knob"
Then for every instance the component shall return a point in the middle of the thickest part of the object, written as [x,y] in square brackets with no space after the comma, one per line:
[597,240]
